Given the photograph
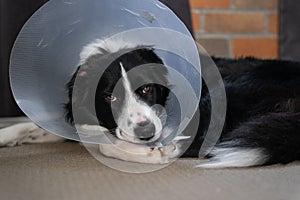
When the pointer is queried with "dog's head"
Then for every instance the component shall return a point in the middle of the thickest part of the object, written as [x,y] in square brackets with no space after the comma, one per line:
[132,113]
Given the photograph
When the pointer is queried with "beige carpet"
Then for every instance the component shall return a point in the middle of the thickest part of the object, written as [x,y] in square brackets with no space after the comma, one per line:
[68,171]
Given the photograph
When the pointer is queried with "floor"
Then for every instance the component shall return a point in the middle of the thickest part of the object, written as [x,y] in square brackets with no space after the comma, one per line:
[68,171]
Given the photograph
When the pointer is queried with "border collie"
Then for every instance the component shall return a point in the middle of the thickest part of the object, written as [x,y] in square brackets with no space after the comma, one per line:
[262,125]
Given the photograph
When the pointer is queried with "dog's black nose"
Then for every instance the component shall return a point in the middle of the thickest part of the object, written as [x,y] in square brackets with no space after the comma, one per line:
[145,130]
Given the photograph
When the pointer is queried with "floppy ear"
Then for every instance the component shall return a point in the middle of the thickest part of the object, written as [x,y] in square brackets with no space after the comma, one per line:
[77,97]
[69,89]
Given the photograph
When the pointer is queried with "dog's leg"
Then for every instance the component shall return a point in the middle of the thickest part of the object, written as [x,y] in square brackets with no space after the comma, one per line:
[26,133]
[138,153]
[126,151]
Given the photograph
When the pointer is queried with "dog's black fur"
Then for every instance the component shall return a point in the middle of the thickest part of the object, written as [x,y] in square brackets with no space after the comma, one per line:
[263,109]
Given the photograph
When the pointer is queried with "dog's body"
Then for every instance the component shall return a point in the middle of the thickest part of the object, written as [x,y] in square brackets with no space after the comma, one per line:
[262,121]
[263,113]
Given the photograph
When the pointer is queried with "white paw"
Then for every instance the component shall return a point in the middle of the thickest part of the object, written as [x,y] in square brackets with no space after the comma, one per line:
[25,133]
[91,130]
[12,135]
[139,153]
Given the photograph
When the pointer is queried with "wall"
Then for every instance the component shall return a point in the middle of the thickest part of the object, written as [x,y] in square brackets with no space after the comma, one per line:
[233,28]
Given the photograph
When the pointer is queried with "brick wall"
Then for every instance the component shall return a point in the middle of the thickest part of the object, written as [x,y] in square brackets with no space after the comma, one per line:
[233,28]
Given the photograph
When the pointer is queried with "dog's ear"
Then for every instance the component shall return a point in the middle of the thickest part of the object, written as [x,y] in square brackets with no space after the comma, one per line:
[69,89]
[148,53]
[77,97]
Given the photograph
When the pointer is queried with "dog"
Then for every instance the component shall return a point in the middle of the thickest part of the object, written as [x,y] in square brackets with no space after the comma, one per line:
[262,125]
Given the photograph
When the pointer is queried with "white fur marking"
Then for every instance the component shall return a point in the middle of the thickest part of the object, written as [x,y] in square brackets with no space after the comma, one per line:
[128,91]
[91,130]
[235,157]
[108,45]
[26,133]
[138,153]
[132,108]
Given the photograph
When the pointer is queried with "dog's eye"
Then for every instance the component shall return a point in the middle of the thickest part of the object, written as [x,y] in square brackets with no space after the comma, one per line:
[110,98]
[146,89]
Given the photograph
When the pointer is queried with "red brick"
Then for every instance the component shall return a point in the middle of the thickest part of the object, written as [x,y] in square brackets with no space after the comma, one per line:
[258,47]
[273,23]
[209,3]
[256,4]
[231,22]
[196,21]
[215,46]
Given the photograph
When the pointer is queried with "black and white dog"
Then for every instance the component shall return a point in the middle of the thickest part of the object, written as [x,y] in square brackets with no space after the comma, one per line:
[262,124]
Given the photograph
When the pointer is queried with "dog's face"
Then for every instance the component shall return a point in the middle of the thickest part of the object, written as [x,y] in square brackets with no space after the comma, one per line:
[132,113]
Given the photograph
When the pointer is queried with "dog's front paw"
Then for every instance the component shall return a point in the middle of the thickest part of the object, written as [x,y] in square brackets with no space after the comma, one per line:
[139,153]
[13,135]
[26,133]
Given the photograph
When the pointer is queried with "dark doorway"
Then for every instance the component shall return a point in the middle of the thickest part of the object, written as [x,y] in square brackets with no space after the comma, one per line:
[289,47]
[13,15]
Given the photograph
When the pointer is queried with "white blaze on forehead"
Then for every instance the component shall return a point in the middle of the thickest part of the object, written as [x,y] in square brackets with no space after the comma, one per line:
[132,110]
[132,103]
[126,82]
